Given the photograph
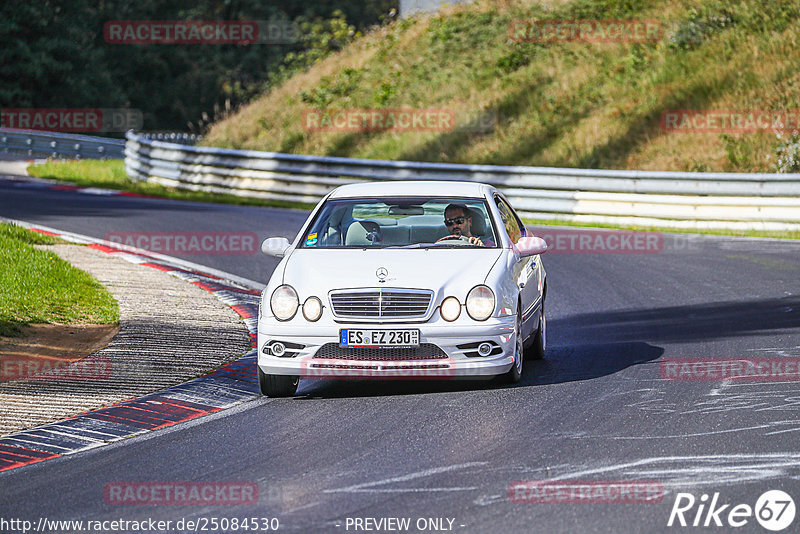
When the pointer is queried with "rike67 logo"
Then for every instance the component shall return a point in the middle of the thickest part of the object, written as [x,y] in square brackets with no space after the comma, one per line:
[774,510]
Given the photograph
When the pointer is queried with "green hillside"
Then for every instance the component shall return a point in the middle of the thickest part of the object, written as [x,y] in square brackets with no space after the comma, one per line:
[570,104]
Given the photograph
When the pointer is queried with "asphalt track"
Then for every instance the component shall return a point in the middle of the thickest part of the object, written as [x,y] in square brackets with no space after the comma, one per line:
[596,409]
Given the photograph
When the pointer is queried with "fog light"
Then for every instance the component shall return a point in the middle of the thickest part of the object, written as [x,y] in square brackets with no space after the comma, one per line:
[278,349]
[484,349]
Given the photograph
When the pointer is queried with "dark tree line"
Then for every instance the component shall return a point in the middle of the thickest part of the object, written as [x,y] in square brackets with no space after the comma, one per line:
[53,54]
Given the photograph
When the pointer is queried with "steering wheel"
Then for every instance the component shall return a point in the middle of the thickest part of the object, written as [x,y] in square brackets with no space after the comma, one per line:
[455,239]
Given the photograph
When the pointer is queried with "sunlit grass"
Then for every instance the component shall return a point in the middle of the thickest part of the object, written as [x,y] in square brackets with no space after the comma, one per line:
[39,287]
[588,105]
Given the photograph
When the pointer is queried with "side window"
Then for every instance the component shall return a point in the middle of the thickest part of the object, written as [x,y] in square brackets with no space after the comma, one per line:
[510,221]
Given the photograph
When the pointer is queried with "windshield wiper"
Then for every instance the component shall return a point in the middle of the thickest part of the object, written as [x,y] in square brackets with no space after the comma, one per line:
[429,245]
[412,245]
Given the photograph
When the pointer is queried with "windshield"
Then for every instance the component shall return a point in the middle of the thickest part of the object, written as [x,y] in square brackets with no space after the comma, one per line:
[409,222]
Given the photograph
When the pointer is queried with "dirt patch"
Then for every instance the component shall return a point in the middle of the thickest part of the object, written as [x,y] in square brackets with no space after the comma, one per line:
[49,347]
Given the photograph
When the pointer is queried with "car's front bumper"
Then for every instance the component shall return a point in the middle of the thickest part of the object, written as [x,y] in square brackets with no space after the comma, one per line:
[453,361]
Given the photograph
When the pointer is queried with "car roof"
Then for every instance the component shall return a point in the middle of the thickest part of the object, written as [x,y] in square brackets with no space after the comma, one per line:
[412,188]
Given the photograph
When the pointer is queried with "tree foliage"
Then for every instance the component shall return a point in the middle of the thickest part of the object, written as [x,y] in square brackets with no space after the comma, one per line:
[54,55]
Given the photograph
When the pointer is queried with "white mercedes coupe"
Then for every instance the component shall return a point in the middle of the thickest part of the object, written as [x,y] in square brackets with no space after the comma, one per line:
[403,280]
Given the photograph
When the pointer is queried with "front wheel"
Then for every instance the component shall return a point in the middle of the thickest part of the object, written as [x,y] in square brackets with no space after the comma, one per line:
[539,344]
[277,385]
[515,373]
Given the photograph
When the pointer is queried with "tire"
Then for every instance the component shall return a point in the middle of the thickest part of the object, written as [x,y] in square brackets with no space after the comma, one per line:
[277,385]
[515,373]
[539,345]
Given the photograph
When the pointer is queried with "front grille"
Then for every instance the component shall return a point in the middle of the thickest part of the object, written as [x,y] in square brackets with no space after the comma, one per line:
[425,351]
[404,367]
[381,303]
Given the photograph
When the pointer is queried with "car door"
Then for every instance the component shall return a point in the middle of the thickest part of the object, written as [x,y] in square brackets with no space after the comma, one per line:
[527,270]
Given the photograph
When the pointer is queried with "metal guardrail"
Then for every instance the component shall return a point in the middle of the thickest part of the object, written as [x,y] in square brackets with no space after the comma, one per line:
[35,143]
[651,198]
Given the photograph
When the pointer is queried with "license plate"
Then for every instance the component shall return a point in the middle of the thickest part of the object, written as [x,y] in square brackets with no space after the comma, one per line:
[378,338]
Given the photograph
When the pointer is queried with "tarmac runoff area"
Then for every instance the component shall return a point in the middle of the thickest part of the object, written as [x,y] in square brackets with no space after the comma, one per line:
[170,331]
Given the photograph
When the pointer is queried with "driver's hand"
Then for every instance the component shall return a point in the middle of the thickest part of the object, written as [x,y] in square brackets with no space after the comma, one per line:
[475,241]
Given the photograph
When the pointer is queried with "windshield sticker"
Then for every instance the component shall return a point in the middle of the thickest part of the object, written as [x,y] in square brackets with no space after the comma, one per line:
[311,240]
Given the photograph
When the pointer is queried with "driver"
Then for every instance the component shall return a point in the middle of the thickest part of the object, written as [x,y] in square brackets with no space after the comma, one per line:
[459,223]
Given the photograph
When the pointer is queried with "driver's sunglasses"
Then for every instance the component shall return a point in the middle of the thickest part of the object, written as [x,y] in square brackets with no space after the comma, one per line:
[456,220]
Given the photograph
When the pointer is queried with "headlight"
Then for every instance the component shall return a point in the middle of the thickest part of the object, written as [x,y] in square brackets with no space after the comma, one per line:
[480,303]
[450,309]
[284,302]
[312,309]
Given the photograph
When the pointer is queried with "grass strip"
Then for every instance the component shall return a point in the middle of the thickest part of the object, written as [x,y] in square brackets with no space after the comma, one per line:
[39,287]
[110,174]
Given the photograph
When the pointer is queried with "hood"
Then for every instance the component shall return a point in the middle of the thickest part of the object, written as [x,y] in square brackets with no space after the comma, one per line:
[456,270]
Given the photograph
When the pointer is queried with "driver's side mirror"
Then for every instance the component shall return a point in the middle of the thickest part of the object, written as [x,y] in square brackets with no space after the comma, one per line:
[530,246]
[275,246]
